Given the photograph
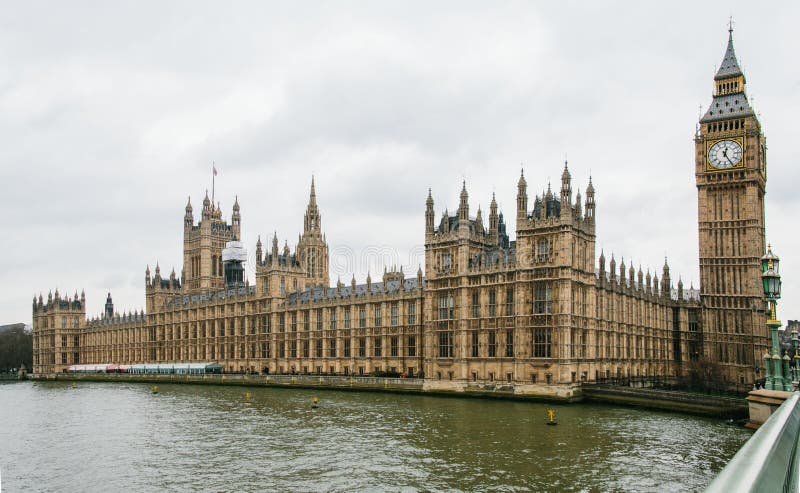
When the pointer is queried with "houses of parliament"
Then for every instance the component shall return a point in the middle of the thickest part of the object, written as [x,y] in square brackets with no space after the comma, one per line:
[543,312]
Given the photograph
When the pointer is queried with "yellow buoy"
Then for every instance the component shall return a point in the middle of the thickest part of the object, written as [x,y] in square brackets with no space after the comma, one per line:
[247,396]
[551,417]
[155,389]
[314,402]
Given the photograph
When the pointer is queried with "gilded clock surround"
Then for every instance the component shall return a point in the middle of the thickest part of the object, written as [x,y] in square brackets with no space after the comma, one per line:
[739,164]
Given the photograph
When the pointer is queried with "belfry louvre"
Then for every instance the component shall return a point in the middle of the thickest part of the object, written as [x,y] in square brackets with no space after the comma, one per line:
[542,313]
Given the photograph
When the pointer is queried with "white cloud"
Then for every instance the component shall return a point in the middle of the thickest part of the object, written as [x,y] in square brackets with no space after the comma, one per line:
[111,115]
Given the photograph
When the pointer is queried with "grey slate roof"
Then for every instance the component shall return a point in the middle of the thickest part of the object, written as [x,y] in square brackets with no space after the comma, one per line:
[728,106]
[730,65]
[316,294]
[219,295]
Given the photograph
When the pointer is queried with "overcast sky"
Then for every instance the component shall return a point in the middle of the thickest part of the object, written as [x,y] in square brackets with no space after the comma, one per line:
[112,113]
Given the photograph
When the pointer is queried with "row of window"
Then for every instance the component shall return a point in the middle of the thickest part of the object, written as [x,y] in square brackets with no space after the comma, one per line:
[542,344]
[542,302]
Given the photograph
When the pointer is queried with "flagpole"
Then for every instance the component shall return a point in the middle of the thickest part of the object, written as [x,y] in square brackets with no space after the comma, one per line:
[213,177]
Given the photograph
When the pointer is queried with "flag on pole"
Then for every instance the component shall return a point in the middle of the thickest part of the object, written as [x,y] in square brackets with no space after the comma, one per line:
[214,167]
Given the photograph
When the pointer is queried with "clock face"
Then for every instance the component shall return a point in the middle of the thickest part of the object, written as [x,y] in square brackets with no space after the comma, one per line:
[725,154]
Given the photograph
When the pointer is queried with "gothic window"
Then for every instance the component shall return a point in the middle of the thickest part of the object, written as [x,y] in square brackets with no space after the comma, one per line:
[475,305]
[447,262]
[510,301]
[492,343]
[445,306]
[377,313]
[412,346]
[543,298]
[347,348]
[445,344]
[412,312]
[492,302]
[542,343]
[509,344]
[362,316]
[393,346]
[319,348]
[362,347]
[281,323]
[378,346]
[394,313]
[294,321]
[333,318]
[474,344]
[347,317]
[543,250]
[306,320]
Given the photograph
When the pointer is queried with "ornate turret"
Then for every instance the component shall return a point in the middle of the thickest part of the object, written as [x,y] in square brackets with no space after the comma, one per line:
[236,218]
[479,222]
[463,207]
[566,192]
[666,282]
[188,218]
[602,265]
[590,201]
[109,309]
[206,207]
[429,215]
[258,251]
[612,268]
[522,197]
[493,220]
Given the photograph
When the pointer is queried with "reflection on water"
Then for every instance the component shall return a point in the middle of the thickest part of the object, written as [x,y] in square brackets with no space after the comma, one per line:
[121,437]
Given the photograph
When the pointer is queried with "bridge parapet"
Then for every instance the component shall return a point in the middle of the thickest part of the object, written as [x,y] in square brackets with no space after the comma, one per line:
[769,461]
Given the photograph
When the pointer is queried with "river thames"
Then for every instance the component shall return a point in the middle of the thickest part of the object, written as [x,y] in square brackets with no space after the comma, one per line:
[121,437]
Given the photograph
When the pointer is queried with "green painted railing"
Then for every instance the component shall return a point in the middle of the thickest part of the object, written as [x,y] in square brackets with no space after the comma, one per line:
[769,461]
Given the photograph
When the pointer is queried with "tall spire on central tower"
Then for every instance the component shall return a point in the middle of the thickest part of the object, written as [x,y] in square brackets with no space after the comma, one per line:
[312,219]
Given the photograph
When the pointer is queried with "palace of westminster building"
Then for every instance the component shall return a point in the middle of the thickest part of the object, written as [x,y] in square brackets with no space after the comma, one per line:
[542,312]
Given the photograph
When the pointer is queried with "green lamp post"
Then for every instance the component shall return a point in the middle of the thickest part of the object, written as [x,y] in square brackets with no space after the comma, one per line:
[778,377]
[796,358]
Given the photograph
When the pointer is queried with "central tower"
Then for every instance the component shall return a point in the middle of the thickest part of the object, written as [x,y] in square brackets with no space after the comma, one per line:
[731,176]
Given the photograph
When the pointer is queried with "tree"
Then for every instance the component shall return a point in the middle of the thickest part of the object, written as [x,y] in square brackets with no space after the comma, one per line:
[16,348]
[705,374]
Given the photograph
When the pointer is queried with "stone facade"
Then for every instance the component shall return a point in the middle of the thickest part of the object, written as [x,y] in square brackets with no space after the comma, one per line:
[541,313]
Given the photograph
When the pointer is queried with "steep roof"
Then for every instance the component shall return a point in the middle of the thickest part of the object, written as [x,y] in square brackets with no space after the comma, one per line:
[730,65]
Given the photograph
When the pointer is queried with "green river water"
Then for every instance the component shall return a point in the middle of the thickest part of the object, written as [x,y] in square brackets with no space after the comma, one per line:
[109,437]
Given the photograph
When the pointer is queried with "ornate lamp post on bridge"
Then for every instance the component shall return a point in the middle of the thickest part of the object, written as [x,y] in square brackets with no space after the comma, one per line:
[778,376]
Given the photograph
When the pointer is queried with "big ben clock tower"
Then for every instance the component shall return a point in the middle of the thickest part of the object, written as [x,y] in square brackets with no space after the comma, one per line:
[731,175]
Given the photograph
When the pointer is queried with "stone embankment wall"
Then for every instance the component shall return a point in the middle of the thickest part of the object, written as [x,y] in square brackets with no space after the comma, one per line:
[685,402]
